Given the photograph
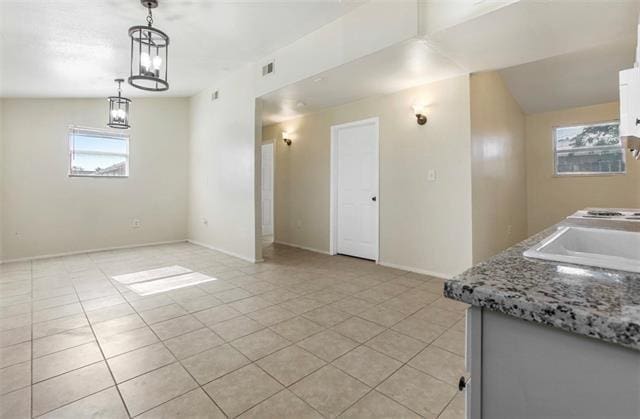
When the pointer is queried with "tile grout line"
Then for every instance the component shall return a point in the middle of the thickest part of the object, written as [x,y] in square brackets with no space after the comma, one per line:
[386,328]
[31,342]
[226,342]
[255,363]
[326,363]
[395,371]
[165,346]
[104,358]
[277,286]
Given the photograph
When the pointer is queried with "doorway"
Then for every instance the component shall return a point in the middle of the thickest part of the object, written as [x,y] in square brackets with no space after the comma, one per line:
[354,212]
[267,193]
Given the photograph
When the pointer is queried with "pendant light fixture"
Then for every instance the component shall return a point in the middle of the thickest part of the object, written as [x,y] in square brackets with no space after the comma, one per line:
[149,54]
[119,109]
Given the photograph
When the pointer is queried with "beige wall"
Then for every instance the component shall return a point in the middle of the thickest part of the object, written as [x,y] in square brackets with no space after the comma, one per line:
[551,198]
[498,167]
[47,212]
[424,226]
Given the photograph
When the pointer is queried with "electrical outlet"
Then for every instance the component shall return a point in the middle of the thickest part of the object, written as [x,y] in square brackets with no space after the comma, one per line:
[509,230]
[431,175]
[298,224]
[135,223]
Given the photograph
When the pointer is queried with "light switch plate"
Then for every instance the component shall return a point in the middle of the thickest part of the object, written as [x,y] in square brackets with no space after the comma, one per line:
[431,175]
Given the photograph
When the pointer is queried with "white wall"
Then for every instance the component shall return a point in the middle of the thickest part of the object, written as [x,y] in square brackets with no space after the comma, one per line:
[1,180]
[46,212]
[439,15]
[212,195]
[368,28]
[424,226]
[222,192]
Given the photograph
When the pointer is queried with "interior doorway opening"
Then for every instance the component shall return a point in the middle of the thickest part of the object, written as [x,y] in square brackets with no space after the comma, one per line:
[267,195]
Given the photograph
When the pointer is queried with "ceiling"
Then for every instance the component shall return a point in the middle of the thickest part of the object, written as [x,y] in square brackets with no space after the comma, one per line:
[395,68]
[582,78]
[532,30]
[75,48]
[553,54]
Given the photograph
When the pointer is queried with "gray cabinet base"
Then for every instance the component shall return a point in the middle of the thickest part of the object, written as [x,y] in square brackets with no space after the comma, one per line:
[530,371]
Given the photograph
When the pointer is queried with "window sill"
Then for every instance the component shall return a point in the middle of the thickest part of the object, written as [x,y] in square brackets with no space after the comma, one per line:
[565,175]
[99,176]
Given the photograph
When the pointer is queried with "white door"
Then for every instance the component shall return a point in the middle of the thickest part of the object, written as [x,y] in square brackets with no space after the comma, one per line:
[356,188]
[267,189]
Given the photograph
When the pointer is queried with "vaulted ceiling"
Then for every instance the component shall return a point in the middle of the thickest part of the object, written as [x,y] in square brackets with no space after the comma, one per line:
[552,54]
[75,48]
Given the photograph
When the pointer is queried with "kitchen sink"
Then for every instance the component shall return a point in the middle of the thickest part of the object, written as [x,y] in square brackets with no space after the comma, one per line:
[604,248]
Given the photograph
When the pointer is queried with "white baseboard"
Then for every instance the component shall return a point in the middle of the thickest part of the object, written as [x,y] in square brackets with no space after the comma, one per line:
[132,246]
[389,265]
[416,270]
[297,246]
[102,249]
[226,252]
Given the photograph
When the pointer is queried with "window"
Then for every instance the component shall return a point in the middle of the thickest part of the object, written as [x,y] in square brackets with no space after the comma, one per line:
[94,152]
[588,149]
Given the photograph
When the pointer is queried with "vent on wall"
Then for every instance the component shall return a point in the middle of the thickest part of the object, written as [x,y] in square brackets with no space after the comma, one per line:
[215,95]
[267,69]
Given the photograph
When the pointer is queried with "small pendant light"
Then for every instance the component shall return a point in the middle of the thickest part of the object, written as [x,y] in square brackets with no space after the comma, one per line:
[149,54]
[119,109]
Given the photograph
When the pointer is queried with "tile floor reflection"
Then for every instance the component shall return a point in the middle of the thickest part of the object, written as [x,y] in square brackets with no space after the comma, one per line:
[300,335]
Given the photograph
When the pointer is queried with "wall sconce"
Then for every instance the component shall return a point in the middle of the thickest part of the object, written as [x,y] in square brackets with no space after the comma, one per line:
[286,140]
[419,111]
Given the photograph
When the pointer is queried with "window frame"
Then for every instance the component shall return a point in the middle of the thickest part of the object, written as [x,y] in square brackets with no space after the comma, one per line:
[74,129]
[554,129]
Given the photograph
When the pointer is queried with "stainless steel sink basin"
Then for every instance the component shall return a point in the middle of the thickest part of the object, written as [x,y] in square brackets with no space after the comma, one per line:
[603,248]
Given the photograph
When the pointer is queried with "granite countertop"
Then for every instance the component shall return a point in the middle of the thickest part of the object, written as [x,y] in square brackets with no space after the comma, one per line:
[595,302]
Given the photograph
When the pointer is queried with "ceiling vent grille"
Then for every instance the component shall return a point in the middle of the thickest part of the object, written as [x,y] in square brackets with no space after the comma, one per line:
[268,68]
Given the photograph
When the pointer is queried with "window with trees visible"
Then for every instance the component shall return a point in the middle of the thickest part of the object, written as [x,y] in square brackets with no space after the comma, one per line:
[588,149]
[95,152]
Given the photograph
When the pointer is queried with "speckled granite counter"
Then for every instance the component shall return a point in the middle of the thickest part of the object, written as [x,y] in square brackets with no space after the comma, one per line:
[600,303]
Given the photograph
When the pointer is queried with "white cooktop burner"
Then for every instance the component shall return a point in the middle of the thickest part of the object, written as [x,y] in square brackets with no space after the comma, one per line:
[614,214]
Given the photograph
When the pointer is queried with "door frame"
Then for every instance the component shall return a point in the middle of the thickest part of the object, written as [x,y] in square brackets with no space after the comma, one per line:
[333,200]
[272,143]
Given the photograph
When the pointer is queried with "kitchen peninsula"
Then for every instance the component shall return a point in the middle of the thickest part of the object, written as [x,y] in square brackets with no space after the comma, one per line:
[551,339]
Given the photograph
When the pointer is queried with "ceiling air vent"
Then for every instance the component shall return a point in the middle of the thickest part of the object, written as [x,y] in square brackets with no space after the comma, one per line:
[267,68]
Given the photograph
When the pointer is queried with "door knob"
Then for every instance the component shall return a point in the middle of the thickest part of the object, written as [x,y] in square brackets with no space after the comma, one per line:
[374,198]
[462,384]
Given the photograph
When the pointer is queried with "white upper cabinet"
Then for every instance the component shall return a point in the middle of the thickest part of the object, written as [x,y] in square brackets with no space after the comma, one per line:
[630,102]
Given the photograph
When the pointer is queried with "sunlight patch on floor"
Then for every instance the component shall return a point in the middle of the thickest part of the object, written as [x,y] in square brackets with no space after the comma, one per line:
[132,278]
[159,280]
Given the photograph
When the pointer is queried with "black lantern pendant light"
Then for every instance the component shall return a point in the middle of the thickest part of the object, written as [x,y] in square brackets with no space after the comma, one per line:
[149,54]
[119,109]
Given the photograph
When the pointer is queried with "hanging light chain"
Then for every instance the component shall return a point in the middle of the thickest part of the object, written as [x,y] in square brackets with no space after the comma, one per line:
[150,17]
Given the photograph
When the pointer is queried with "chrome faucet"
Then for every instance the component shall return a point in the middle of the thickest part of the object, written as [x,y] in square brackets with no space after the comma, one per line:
[633,144]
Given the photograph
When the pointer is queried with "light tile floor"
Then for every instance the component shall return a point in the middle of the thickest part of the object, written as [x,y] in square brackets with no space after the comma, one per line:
[301,335]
